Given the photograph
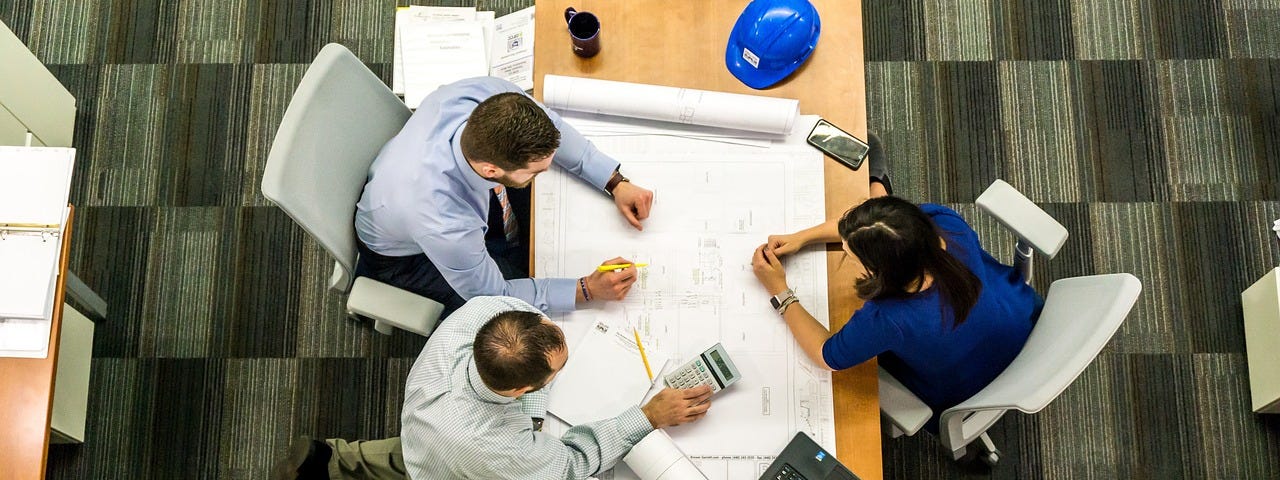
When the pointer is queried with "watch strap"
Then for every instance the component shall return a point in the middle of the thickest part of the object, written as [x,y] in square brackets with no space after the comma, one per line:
[780,301]
[614,181]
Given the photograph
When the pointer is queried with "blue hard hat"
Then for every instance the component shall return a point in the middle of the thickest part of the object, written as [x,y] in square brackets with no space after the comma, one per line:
[771,39]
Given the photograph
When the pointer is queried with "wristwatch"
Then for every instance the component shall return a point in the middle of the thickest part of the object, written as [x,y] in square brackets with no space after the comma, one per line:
[783,300]
[616,179]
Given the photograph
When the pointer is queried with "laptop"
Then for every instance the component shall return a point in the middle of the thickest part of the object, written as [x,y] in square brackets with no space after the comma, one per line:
[803,459]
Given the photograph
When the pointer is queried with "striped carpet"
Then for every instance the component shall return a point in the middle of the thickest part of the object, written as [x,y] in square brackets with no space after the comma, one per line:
[1151,129]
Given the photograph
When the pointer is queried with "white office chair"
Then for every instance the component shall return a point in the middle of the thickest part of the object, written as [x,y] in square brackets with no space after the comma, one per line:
[1079,317]
[339,118]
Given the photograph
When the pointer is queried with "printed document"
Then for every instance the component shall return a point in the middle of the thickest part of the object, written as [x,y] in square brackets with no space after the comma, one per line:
[436,54]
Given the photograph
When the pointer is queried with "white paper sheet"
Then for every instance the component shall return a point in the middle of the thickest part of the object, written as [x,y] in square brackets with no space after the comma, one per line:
[420,14]
[604,376]
[670,104]
[440,53]
[714,204]
[511,49]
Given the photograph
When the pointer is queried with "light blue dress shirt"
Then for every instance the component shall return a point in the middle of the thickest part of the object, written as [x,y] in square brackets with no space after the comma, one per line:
[454,426]
[423,197]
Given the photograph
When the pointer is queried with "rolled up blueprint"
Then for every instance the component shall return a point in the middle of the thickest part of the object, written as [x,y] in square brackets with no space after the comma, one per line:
[656,457]
[670,104]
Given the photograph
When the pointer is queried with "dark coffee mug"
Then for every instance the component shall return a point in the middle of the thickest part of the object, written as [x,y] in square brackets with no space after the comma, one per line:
[584,30]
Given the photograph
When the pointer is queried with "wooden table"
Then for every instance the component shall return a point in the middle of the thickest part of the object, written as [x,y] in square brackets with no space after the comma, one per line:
[26,394]
[682,44]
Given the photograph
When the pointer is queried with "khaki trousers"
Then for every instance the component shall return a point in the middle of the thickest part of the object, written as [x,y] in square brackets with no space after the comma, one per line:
[366,459]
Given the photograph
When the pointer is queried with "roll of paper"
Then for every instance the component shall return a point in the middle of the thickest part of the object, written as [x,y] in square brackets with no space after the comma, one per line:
[656,457]
[671,104]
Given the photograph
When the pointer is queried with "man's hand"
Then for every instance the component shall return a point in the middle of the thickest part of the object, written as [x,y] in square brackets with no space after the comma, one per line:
[672,407]
[633,202]
[769,270]
[612,285]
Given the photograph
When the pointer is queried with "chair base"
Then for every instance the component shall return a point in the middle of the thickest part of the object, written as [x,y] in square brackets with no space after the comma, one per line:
[390,307]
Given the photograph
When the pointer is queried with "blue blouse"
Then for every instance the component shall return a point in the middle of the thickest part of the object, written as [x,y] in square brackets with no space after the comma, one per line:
[941,365]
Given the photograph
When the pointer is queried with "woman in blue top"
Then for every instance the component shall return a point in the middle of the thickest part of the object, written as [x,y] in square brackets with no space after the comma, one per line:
[944,317]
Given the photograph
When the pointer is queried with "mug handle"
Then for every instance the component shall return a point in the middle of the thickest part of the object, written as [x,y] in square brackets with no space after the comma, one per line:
[569,13]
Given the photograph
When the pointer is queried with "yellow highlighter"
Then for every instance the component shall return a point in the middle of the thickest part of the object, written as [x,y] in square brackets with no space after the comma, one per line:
[643,357]
[620,266]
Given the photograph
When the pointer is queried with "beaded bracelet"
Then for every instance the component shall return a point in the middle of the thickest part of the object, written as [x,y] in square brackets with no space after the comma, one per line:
[586,295]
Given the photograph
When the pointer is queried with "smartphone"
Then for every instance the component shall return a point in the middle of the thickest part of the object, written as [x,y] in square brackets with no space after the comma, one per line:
[838,144]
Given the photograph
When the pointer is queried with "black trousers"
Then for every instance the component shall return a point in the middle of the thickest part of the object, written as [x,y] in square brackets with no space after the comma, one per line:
[417,273]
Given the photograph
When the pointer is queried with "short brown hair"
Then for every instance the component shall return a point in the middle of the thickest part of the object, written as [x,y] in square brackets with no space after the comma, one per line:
[508,130]
[511,350]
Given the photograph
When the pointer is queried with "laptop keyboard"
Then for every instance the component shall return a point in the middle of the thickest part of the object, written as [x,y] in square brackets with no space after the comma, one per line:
[787,472]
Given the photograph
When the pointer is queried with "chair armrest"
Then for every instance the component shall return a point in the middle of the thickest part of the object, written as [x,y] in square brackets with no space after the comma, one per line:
[1024,218]
[901,407]
[390,305]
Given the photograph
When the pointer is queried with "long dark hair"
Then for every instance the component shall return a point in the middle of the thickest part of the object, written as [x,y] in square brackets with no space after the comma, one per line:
[898,244]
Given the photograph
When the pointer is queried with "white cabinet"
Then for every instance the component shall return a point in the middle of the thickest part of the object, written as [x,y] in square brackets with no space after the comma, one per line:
[31,99]
[1262,341]
[71,384]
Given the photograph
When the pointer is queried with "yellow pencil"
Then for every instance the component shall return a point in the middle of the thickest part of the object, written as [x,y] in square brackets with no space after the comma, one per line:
[643,357]
[620,266]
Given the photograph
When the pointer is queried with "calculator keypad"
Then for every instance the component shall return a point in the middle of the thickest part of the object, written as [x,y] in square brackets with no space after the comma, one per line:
[692,374]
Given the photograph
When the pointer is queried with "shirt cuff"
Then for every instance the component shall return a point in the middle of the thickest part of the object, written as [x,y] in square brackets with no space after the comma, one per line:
[562,294]
[634,425]
[599,172]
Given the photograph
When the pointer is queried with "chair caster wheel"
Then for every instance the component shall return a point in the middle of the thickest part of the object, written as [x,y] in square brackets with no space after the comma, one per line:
[990,458]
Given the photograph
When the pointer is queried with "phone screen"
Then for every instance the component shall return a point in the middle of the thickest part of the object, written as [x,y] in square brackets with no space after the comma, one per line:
[838,144]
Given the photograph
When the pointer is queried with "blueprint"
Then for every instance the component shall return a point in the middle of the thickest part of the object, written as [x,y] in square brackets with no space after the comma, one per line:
[714,204]
[689,106]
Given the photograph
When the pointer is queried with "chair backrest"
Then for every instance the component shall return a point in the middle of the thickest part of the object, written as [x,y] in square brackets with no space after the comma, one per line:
[1027,220]
[339,118]
[1080,315]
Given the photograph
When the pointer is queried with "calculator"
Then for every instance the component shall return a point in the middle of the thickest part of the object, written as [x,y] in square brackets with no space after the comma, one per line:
[712,367]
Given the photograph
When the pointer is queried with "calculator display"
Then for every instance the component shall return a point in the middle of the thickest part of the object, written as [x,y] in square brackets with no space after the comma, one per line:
[720,366]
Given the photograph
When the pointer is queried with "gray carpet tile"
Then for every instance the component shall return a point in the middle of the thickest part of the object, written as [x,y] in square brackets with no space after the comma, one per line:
[1041,136]
[66,31]
[1124,151]
[365,27]
[214,31]
[178,267]
[1253,32]
[1033,29]
[1149,327]
[1229,431]
[260,397]
[1109,29]
[1150,130]
[124,161]
[1086,424]
[1162,389]
[264,272]
[958,31]
[134,31]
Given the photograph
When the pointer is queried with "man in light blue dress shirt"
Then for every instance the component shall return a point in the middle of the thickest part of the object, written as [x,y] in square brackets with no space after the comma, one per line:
[474,405]
[431,222]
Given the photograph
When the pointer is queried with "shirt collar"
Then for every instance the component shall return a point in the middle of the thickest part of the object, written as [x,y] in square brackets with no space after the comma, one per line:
[469,175]
[481,390]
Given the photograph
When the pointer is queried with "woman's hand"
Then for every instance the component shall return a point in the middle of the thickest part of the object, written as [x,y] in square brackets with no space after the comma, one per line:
[783,245]
[769,270]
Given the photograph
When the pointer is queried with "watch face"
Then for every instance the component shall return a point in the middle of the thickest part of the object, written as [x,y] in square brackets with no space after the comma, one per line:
[774,301]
